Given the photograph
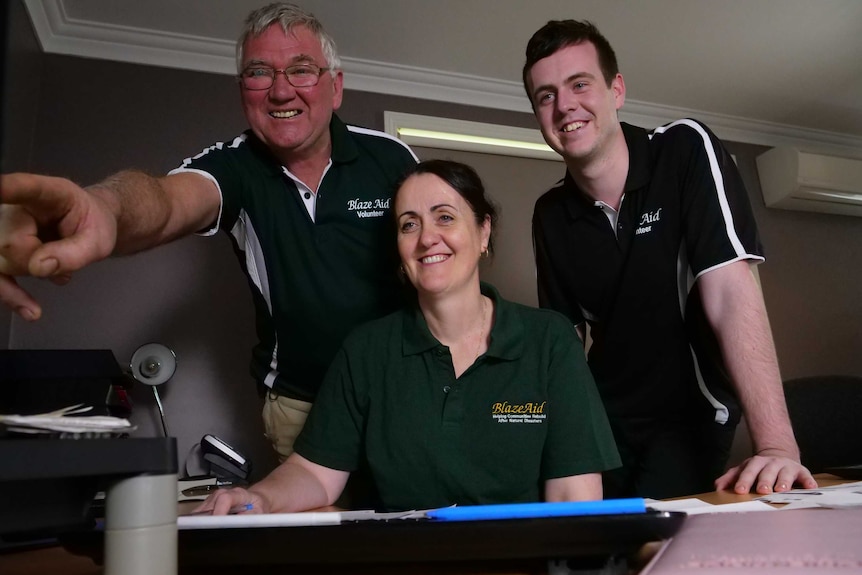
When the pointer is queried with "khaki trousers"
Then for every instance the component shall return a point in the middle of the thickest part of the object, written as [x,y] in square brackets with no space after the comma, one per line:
[283,419]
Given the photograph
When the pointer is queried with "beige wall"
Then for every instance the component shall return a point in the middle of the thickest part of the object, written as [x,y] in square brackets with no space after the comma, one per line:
[812,282]
[514,184]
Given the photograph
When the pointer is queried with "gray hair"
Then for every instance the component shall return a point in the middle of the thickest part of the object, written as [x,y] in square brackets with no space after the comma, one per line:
[289,16]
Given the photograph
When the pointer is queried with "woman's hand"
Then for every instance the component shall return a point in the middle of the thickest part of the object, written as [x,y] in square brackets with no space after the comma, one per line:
[233,501]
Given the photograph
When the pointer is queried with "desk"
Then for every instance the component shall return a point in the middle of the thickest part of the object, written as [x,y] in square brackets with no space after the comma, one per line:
[47,484]
[60,561]
[724,497]
[495,546]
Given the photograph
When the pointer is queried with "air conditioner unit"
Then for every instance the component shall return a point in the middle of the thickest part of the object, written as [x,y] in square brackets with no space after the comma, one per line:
[796,180]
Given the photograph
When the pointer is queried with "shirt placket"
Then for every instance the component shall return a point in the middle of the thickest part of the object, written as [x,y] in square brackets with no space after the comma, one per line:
[450,387]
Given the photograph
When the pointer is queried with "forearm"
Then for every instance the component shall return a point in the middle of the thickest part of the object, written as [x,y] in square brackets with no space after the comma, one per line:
[152,211]
[293,487]
[744,336]
[753,367]
[586,487]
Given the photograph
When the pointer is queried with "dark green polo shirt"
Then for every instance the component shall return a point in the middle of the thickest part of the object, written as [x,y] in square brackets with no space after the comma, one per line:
[312,281]
[525,412]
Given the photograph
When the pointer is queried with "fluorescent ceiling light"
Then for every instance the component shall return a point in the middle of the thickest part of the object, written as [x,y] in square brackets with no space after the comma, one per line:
[826,196]
[481,140]
[449,134]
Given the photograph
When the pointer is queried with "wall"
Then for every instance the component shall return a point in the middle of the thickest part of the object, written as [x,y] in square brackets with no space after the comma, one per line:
[95,117]
[514,184]
[811,282]
[22,62]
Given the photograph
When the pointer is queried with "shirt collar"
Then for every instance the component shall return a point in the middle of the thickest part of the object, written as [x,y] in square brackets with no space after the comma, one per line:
[343,146]
[507,333]
[637,142]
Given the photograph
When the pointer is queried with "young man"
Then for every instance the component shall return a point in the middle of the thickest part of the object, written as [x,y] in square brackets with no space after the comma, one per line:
[649,239]
[304,198]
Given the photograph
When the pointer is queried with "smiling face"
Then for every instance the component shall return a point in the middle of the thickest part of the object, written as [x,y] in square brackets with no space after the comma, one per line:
[575,107]
[292,122]
[439,239]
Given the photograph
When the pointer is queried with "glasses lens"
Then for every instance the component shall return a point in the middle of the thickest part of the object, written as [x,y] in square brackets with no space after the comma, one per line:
[262,78]
[303,76]
[257,78]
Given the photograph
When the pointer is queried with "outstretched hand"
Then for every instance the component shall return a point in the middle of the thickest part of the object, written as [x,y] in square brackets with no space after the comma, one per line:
[765,473]
[49,228]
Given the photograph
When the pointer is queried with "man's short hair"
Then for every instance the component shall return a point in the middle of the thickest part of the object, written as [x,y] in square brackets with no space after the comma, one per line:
[559,34]
[289,16]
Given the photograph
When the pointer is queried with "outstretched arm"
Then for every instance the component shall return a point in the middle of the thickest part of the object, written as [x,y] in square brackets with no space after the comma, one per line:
[51,227]
[735,309]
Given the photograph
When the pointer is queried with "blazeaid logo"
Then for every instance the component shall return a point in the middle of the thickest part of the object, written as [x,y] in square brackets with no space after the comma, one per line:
[530,412]
[647,220]
[369,208]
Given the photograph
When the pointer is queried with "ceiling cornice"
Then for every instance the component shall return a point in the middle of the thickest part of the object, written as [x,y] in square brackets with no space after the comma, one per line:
[59,34]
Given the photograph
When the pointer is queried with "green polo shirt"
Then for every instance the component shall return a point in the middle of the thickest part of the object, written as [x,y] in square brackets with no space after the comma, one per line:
[525,412]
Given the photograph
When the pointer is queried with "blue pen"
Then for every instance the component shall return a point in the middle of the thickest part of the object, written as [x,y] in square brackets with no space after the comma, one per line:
[530,510]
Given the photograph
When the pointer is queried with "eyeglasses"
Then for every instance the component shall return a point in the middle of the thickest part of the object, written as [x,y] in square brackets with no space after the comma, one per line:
[262,77]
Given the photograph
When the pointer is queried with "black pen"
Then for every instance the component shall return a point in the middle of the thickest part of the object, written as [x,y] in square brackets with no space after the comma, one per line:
[204,489]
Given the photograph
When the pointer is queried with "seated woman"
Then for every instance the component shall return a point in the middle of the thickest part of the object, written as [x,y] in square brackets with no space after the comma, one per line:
[461,398]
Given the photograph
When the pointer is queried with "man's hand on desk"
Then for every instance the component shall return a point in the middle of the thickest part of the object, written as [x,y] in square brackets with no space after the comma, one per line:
[767,472]
[233,501]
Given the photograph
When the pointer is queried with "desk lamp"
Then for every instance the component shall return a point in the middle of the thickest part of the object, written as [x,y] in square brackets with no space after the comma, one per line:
[153,364]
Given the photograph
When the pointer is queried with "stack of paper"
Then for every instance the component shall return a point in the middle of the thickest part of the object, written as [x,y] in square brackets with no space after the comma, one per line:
[839,496]
[833,497]
[68,424]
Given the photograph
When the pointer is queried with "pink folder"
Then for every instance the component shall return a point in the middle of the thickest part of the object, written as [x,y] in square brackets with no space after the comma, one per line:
[803,541]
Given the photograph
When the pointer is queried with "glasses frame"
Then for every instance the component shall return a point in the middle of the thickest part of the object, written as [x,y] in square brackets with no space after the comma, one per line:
[286,71]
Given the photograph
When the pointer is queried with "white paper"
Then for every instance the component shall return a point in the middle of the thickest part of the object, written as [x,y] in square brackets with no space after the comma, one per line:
[834,496]
[306,518]
[258,520]
[694,506]
[66,421]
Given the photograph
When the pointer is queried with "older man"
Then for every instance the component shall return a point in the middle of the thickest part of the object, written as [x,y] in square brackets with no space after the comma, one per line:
[304,197]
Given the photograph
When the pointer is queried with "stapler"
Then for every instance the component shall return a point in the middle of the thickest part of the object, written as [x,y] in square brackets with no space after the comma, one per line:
[226,463]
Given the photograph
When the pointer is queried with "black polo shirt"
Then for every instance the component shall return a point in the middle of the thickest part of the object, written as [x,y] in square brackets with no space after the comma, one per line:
[312,281]
[685,211]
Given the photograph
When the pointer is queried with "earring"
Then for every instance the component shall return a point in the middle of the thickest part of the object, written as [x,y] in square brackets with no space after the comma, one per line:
[402,270]
[484,253]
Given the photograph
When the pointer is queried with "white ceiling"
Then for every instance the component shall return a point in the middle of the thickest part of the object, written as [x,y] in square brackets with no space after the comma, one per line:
[762,71]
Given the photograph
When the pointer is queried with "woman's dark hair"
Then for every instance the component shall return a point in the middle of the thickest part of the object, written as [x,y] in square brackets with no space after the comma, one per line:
[464,180]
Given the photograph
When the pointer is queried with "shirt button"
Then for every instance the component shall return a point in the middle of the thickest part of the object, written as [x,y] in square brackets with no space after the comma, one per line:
[307,195]
[446,389]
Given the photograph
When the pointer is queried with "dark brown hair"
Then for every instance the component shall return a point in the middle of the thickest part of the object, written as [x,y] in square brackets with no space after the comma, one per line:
[559,34]
[464,180]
